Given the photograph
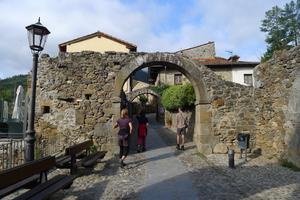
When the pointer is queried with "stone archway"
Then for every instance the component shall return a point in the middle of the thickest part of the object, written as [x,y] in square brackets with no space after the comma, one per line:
[203,136]
[132,95]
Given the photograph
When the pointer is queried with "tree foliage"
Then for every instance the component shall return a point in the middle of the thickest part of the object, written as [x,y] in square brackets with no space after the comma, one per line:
[176,96]
[143,99]
[8,86]
[282,26]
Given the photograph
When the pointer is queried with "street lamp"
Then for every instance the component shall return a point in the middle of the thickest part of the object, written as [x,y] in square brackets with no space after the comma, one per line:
[37,36]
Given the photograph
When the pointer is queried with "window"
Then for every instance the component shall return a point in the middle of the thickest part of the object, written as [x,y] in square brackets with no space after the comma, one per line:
[248,79]
[46,109]
[88,96]
[177,79]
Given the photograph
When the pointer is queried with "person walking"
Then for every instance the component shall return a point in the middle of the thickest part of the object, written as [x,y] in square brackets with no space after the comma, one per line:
[181,125]
[125,129]
[142,131]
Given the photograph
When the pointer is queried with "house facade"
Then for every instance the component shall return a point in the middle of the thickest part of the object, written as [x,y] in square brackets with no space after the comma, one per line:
[230,69]
[98,42]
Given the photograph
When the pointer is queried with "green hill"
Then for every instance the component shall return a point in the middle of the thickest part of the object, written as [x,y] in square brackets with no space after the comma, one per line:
[8,86]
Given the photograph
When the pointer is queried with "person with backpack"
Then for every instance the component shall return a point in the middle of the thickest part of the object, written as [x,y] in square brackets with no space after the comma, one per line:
[181,125]
[142,131]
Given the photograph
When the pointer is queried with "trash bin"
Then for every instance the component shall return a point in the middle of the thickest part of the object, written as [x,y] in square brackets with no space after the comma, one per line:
[243,140]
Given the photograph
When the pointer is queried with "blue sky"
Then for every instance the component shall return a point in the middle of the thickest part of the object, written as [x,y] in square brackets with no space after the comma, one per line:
[153,25]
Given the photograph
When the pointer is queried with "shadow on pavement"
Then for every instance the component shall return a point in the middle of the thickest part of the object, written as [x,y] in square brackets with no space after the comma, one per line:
[85,189]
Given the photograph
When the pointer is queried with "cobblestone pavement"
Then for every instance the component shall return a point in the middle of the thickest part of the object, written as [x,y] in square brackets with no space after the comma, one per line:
[166,177]
[259,178]
[107,181]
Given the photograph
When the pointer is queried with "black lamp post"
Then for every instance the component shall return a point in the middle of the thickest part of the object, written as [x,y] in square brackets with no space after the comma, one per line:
[37,36]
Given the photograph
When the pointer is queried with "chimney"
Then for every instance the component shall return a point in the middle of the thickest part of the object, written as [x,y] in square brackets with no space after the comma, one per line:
[234,58]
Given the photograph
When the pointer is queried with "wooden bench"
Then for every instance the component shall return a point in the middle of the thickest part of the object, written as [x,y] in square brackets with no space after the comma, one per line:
[80,151]
[33,175]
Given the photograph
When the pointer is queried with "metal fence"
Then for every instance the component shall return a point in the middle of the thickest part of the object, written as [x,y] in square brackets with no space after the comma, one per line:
[12,150]
[11,153]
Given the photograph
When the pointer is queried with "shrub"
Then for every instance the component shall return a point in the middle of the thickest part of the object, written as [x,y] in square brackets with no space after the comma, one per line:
[176,96]
[143,99]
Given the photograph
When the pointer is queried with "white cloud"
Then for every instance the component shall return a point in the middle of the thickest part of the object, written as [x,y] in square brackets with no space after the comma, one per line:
[152,25]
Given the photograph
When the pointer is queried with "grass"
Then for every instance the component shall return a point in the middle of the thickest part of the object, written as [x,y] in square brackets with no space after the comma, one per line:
[290,165]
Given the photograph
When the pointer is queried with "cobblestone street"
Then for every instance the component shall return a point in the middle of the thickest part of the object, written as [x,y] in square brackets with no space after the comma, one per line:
[200,178]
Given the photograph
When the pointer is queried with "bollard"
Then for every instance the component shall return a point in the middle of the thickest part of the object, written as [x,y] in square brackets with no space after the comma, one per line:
[231,158]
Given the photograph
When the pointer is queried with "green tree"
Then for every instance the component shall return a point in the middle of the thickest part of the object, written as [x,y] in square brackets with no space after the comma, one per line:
[143,99]
[9,85]
[291,17]
[282,27]
[178,96]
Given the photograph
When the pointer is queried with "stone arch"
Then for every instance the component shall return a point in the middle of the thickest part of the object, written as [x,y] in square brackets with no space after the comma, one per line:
[132,95]
[203,136]
[184,65]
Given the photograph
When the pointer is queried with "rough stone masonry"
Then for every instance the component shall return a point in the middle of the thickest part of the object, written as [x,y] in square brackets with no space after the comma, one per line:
[79,97]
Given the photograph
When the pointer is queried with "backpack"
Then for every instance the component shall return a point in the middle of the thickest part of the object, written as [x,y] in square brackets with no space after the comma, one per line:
[186,123]
[142,129]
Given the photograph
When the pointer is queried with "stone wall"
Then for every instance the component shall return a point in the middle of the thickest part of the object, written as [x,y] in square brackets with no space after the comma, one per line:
[78,89]
[231,110]
[202,51]
[76,99]
[224,73]
[278,105]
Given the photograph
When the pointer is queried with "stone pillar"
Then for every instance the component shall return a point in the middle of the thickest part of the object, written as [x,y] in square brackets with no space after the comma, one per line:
[116,109]
[203,136]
